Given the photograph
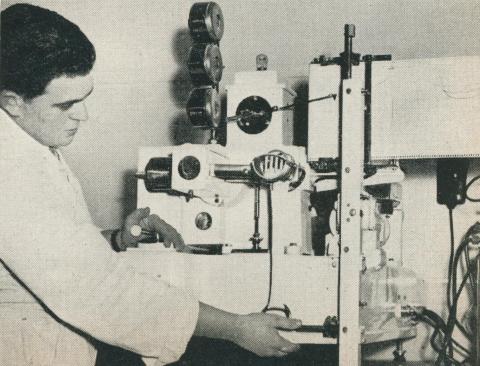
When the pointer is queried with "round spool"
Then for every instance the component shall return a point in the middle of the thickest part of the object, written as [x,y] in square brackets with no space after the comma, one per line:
[203,108]
[205,22]
[205,64]
[254,114]
[158,174]
[189,167]
[203,221]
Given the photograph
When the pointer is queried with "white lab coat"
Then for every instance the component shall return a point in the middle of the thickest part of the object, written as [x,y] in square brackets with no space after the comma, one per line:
[47,240]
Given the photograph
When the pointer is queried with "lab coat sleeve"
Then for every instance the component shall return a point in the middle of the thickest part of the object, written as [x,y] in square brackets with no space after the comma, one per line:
[74,272]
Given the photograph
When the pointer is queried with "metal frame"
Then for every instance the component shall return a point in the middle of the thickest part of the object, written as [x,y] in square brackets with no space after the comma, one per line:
[351,165]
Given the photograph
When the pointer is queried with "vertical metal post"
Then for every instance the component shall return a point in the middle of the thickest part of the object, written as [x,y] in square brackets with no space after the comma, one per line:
[477,313]
[256,239]
[347,54]
[351,156]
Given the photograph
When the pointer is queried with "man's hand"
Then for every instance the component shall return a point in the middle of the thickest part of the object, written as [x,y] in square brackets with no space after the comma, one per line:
[141,217]
[258,333]
[167,232]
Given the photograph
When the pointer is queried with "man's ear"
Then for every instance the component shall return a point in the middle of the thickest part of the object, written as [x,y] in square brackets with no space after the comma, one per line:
[12,103]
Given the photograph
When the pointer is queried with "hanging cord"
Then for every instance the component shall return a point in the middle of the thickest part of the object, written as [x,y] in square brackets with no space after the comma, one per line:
[454,293]
[467,187]
[450,260]
[432,319]
[270,246]
[285,310]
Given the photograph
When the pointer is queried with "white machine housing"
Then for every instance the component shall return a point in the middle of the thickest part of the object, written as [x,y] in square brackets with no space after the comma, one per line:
[263,84]
[422,108]
[307,284]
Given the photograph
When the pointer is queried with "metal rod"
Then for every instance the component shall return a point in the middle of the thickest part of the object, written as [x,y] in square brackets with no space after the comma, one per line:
[232,171]
[477,314]
[256,239]
[368,107]
[288,106]
[348,52]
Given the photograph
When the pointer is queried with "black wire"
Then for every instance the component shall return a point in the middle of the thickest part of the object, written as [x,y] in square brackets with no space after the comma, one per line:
[270,245]
[458,324]
[450,260]
[472,279]
[453,294]
[452,318]
[469,184]
[453,311]
[429,317]
[325,177]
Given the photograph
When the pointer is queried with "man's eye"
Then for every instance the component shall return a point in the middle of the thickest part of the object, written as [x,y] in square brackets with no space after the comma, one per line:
[65,106]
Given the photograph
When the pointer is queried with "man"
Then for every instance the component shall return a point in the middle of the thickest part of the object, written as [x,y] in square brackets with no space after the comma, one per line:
[61,285]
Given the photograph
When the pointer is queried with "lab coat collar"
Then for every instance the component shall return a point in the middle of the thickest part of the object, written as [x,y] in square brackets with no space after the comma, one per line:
[14,136]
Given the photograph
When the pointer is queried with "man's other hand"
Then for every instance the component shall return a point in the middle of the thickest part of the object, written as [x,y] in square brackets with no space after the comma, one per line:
[167,232]
[258,333]
[151,223]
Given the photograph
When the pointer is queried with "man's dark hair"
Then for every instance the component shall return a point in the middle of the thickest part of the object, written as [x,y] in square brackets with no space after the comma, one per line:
[37,46]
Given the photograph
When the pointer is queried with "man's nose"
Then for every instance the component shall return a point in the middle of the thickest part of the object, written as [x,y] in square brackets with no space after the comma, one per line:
[79,112]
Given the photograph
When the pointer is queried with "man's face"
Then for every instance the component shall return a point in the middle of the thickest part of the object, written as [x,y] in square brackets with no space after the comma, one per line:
[53,118]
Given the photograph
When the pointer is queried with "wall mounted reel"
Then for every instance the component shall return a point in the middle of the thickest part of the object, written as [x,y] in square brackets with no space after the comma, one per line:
[204,108]
[205,66]
[206,22]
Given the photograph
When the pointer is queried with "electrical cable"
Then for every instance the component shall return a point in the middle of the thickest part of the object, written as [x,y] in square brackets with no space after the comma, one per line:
[458,324]
[436,321]
[467,187]
[452,317]
[325,177]
[454,294]
[450,260]
[270,246]
[447,343]
[437,331]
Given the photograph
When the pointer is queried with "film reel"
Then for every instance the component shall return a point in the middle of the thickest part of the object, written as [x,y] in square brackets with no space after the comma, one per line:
[203,108]
[205,64]
[206,22]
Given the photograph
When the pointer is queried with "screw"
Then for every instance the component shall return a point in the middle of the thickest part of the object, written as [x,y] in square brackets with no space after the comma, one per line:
[349,90]
[346,249]
[345,329]
[347,170]
[353,212]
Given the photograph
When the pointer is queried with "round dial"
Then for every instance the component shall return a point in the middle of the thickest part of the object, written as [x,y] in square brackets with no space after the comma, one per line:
[203,221]
[203,108]
[205,64]
[205,22]
[189,167]
[253,115]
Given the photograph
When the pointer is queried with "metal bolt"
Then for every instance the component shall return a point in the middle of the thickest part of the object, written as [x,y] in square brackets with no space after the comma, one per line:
[349,90]
[353,212]
[349,30]
[348,219]
[347,170]
[346,249]
[344,329]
